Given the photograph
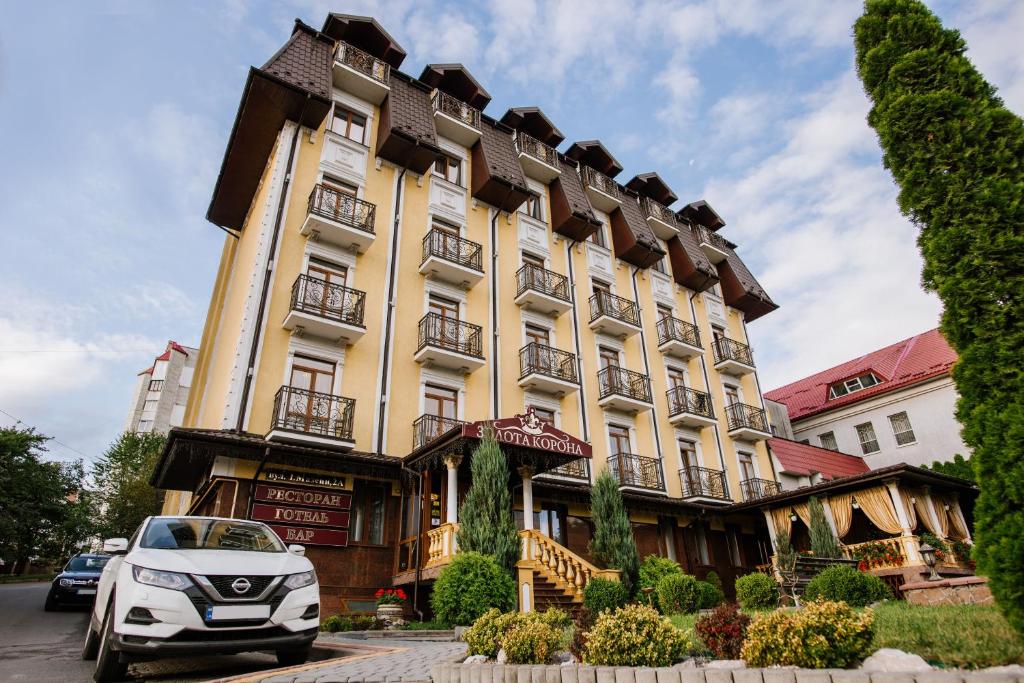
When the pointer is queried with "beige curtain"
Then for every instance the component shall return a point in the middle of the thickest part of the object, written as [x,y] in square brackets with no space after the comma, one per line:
[921,508]
[908,507]
[877,505]
[940,512]
[781,518]
[804,513]
[842,512]
[957,524]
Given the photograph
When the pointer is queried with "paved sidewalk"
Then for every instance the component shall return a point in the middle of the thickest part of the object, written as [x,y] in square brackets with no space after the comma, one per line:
[378,661]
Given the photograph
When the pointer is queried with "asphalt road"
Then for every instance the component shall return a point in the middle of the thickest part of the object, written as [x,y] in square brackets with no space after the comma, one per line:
[41,647]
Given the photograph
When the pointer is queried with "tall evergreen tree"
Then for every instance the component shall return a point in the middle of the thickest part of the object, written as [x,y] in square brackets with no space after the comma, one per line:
[613,545]
[957,467]
[956,153]
[823,541]
[486,525]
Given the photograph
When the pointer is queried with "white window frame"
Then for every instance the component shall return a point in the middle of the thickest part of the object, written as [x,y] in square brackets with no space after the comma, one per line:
[863,443]
[832,435]
[910,429]
[447,382]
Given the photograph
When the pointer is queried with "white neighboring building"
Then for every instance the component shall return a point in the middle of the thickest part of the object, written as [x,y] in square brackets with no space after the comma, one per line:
[162,391]
[894,405]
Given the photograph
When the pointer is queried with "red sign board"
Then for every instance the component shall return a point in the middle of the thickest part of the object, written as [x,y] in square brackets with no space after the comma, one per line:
[290,515]
[309,536]
[529,431]
[289,495]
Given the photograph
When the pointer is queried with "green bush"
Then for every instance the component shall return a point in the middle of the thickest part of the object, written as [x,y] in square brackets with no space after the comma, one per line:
[336,623]
[488,634]
[613,544]
[635,635]
[484,636]
[849,585]
[710,595]
[604,594]
[679,593]
[652,570]
[469,586]
[531,641]
[555,617]
[821,635]
[714,579]
[757,591]
[823,542]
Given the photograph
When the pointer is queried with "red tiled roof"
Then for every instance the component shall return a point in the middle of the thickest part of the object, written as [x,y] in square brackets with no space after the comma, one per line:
[172,346]
[902,364]
[803,459]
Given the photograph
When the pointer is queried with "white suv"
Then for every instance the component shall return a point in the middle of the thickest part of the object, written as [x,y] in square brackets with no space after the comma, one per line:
[188,585]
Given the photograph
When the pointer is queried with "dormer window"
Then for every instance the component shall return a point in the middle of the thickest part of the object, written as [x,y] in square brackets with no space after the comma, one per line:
[449,168]
[853,384]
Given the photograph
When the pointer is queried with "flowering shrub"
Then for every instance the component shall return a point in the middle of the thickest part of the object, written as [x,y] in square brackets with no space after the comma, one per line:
[962,550]
[757,591]
[723,631]
[822,635]
[710,595]
[941,549]
[390,596]
[878,554]
[635,635]
[603,594]
[853,587]
[679,593]
[531,640]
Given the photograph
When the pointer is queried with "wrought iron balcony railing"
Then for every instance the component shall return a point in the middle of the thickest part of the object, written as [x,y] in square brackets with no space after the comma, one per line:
[687,400]
[730,349]
[703,481]
[342,207]
[334,302]
[527,144]
[445,245]
[606,303]
[599,181]
[616,380]
[709,237]
[542,280]
[547,360]
[364,63]
[674,329]
[577,469]
[743,416]
[637,470]
[450,334]
[653,209]
[427,428]
[457,109]
[311,412]
[753,489]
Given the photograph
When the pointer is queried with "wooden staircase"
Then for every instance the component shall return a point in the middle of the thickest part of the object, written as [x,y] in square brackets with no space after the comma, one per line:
[556,575]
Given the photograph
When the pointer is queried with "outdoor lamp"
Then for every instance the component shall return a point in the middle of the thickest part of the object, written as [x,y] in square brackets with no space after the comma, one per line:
[928,555]
[792,516]
[855,504]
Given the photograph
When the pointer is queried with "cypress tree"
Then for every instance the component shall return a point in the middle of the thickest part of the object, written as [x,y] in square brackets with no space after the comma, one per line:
[956,153]
[823,541]
[613,545]
[486,525]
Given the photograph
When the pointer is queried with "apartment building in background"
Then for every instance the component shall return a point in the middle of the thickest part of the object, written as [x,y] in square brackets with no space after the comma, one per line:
[894,405]
[404,272]
[162,390]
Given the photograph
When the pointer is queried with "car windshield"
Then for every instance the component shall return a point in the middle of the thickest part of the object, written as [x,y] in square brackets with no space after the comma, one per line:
[86,564]
[196,533]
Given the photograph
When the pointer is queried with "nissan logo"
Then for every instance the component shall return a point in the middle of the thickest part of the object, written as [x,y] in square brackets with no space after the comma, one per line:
[241,585]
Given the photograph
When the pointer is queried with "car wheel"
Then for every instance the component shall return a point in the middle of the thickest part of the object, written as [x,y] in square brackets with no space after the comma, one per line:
[91,646]
[109,666]
[51,603]
[292,657]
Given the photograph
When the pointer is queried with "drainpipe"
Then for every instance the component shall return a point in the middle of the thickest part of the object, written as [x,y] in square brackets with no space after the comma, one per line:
[495,360]
[418,525]
[392,273]
[647,371]
[707,385]
[576,338]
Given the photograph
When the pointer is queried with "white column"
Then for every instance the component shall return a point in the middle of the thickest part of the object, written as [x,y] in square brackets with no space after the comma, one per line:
[771,528]
[527,474]
[452,502]
[929,504]
[829,518]
[909,546]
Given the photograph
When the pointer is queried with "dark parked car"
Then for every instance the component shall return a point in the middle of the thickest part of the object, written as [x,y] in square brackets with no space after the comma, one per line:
[76,585]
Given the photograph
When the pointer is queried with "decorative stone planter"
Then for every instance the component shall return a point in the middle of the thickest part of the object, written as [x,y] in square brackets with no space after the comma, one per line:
[391,615]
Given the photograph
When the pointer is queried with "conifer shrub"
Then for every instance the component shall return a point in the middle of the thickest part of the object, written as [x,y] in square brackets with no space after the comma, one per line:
[679,593]
[723,631]
[757,591]
[600,595]
[652,570]
[852,586]
[635,635]
[486,524]
[714,579]
[823,541]
[821,635]
[612,545]
[469,586]
[710,595]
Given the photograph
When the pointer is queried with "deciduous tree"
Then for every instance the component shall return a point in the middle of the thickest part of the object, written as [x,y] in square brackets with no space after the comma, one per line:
[121,476]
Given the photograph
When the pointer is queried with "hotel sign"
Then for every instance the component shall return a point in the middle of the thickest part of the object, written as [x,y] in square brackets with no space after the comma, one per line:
[300,496]
[308,536]
[303,478]
[304,515]
[529,431]
[287,515]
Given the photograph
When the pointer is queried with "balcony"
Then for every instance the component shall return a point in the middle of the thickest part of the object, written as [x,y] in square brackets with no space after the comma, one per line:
[690,408]
[711,243]
[704,484]
[614,315]
[361,73]
[339,218]
[623,389]
[547,369]
[309,417]
[733,357]
[602,191]
[449,343]
[429,428]
[574,469]
[451,258]
[539,161]
[747,422]
[542,290]
[678,338]
[326,310]
[755,489]
[637,471]
[455,120]
[661,219]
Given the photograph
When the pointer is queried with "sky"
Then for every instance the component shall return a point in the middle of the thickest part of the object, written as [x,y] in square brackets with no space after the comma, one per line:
[115,114]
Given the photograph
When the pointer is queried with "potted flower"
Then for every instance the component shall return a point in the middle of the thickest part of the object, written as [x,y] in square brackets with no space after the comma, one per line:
[390,606]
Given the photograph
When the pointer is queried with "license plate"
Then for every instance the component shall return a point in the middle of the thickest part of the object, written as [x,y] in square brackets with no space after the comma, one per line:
[216,612]
[87,591]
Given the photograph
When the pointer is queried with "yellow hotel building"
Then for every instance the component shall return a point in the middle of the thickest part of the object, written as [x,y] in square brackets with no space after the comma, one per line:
[400,267]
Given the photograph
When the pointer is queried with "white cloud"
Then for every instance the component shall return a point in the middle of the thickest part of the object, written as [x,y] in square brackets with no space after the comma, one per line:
[992,30]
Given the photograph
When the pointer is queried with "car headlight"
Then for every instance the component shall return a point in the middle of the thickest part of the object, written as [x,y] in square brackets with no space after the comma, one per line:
[66,583]
[300,580]
[170,580]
